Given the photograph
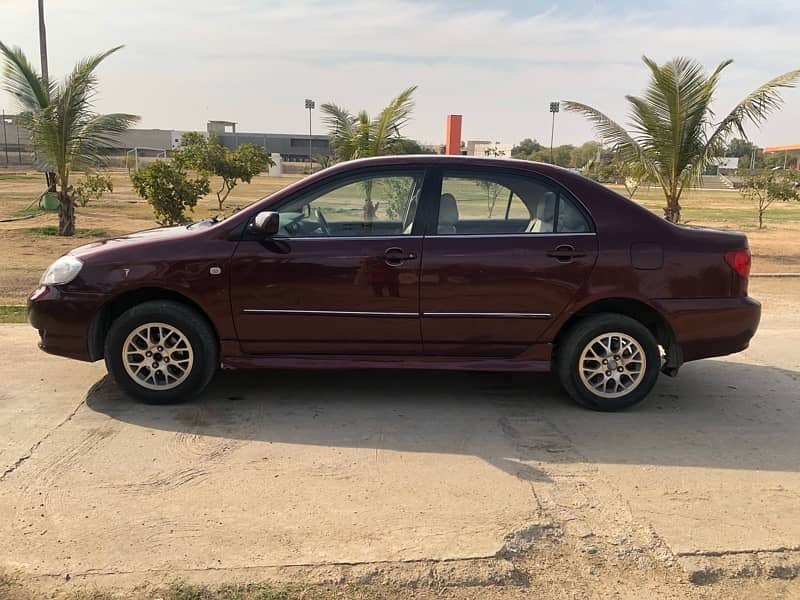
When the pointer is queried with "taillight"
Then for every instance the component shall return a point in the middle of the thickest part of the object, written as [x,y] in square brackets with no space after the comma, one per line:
[740,261]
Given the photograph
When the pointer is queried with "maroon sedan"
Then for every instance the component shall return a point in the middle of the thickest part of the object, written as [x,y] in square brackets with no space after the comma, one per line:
[415,262]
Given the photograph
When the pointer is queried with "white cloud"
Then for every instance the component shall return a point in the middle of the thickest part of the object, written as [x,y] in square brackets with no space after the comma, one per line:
[254,62]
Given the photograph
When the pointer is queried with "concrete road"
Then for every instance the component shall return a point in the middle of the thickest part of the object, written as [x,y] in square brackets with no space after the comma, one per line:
[272,469]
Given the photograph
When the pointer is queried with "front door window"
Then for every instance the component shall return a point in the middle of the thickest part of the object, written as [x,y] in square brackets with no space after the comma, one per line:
[379,205]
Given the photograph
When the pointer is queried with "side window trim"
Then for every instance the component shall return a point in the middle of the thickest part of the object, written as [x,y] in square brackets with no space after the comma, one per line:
[468,171]
[508,204]
[340,180]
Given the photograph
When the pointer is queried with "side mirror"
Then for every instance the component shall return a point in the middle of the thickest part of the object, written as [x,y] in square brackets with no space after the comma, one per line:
[265,223]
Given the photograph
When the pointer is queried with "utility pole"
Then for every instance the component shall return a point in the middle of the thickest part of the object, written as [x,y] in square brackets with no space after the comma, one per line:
[19,144]
[43,43]
[310,106]
[554,108]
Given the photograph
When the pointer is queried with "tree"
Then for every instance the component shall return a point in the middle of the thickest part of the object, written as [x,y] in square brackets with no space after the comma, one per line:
[208,157]
[399,195]
[92,187]
[674,130]
[31,90]
[169,191]
[626,173]
[745,150]
[584,154]
[358,136]
[492,190]
[407,146]
[66,133]
[526,148]
[494,151]
[563,156]
[768,187]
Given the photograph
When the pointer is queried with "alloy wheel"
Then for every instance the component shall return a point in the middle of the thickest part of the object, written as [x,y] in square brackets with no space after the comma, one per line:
[612,365]
[157,356]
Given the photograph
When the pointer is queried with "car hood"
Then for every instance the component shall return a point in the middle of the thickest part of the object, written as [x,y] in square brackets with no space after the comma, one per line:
[131,240]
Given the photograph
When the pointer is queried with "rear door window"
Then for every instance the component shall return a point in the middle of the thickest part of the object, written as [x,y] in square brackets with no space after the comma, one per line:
[502,204]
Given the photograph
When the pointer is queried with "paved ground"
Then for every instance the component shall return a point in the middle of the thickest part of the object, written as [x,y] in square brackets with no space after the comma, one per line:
[285,470]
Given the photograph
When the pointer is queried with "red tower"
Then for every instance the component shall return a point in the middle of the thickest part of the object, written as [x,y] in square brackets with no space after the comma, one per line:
[453,143]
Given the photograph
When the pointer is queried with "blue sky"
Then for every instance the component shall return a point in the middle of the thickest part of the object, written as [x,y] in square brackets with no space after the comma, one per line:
[499,64]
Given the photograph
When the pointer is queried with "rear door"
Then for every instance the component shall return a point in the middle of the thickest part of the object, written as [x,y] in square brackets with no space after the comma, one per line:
[506,254]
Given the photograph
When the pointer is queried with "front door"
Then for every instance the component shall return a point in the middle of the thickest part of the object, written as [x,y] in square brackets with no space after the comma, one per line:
[507,254]
[342,274]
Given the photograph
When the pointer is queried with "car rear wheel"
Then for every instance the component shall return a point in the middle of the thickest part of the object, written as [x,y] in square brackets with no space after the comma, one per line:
[608,362]
[161,352]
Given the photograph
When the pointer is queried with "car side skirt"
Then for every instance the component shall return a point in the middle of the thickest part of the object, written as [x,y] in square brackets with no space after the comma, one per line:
[339,361]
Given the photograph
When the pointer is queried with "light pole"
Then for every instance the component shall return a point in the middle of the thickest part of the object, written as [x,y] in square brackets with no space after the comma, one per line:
[310,106]
[554,107]
[43,43]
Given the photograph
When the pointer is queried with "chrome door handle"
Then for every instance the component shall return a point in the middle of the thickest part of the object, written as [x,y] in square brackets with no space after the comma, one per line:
[396,256]
[565,253]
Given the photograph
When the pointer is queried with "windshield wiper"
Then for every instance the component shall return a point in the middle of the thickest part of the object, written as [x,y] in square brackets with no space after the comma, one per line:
[210,221]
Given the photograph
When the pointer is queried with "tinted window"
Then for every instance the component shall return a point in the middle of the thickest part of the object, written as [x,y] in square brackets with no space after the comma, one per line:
[372,205]
[505,204]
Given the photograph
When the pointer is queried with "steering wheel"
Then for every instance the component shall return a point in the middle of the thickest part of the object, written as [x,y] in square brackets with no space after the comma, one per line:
[323,222]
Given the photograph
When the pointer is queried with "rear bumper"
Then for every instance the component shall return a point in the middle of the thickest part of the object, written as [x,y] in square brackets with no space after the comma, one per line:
[64,321]
[705,327]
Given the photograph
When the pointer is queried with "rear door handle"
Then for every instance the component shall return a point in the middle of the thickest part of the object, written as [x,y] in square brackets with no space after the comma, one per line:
[397,256]
[565,253]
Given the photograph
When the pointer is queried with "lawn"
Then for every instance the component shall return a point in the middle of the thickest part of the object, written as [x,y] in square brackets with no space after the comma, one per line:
[28,245]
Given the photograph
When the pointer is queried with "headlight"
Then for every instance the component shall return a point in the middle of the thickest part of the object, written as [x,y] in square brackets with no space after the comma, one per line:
[64,270]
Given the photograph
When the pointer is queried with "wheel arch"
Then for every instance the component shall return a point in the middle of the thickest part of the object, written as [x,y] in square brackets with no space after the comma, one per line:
[642,312]
[111,310]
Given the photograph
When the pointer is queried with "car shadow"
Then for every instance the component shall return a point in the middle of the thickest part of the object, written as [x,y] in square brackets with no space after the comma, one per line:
[716,413]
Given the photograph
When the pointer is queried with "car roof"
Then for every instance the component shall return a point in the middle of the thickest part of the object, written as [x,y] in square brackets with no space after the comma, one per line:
[560,174]
[446,160]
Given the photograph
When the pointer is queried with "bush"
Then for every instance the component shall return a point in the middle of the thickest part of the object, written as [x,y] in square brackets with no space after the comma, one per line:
[169,191]
[207,156]
[91,188]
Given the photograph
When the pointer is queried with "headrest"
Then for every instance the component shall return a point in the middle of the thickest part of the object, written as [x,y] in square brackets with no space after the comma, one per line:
[448,210]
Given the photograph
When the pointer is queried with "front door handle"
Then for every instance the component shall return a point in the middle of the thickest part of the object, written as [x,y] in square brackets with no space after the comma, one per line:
[565,253]
[397,256]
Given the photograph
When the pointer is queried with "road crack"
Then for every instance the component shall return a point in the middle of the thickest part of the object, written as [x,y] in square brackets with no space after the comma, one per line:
[22,459]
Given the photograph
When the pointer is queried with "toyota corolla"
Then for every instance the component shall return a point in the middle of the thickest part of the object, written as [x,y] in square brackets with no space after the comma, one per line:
[408,262]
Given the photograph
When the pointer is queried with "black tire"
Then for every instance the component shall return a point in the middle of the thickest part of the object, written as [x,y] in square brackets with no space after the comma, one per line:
[568,361]
[198,336]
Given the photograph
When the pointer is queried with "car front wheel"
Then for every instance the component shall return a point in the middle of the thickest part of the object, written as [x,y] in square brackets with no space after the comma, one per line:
[161,352]
[608,362]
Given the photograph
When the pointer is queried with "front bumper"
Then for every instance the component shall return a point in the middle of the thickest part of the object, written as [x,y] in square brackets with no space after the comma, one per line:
[65,321]
[705,327]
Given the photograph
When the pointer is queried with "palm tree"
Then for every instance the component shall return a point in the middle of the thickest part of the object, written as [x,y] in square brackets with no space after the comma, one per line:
[675,133]
[358,136]
[30,90]
[65,131]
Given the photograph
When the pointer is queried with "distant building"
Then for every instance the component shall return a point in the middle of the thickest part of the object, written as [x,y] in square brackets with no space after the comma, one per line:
[490,149]
[14,141]
[722,165]
[471,144]
[291,147]
[791,155]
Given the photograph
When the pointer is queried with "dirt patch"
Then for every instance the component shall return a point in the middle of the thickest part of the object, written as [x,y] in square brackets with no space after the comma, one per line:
[563,571]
